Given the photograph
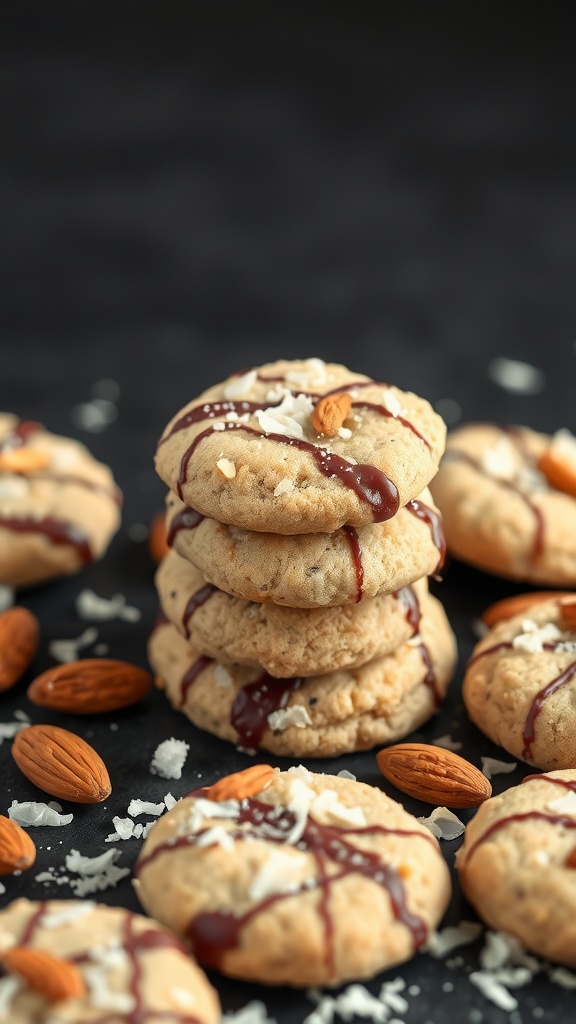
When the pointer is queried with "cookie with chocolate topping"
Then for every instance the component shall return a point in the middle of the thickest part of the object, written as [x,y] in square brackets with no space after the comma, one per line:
[277,450]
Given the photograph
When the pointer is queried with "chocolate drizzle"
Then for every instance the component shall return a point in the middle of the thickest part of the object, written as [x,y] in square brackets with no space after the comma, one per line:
[356,552]
[370,485]
[553,819]
[56,530]
[381,410]
[186,519]
[214,933]
[564,783]
[434,521]
[194,602]
[255,702]
[407,598]
[134,943]
[19,434]
[211,411]
[191,675]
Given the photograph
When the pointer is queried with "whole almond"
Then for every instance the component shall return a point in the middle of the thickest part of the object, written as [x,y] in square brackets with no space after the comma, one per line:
[62,764]
[19,636]
[17,849]
[157,537]
[558,470]
[330,413]
[241,785]
[90,686]
[508,607]
[434,775]
[567,610]
[23,460]
[49,975]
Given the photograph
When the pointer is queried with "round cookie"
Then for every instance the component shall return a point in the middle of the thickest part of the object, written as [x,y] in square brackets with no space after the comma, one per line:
[284,641]
[312,570]
[59,507]
[517,863]
[128,967]
[520,685]
[501,510]
[310,880]
[321,716]
[246,451]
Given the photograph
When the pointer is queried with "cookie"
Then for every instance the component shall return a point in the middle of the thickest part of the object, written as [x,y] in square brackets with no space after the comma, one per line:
[120,967]
[520,685]
[518,862]
[59,507]
[321,716]
[246,451]
[502,508]
[313,570]
[310,880]
[284,641]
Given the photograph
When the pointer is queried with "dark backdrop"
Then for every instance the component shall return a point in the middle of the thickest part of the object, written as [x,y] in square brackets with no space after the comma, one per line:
[192,188]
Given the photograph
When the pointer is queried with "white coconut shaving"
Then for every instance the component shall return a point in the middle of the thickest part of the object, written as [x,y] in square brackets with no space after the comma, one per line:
[169,757]
[516,376]
[296,715]
[441,943]
[492,766]
[29,813]
[65,651]
[102,609]
[443,824]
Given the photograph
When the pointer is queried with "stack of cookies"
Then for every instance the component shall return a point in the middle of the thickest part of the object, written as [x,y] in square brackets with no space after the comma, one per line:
[296,613]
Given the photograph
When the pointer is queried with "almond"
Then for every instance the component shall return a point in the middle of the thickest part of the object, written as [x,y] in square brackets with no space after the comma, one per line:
[434,775]
[157,538]
[90,686]
[570,861]
[23,460]
[568,613]
[559,470]
[61,763]
[519,603]
[19,636]
[330,413]
[241,785]
[52,977]
[17,849]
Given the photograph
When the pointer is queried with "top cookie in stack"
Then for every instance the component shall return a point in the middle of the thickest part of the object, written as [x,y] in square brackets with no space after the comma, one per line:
[298,489]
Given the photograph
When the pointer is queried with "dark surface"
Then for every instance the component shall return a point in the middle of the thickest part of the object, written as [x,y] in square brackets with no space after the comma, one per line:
[192,189]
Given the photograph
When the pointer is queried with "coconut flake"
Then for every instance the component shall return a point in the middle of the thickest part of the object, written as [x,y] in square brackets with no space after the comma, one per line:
[493,990]
[222,676]
[345,774]
[72,913]
[289,418]
[240,386]
[216,836]
[443,824]
[563,977]
[452,937]
[30,813]
[281,872]
[447,742]
[94,416]
[136,807]
[296,715]
[9,988]
[169,757]
[501,460]
[284,487]
[170,801]
[9,729]
[81,865]
[533,637]
[492,766]
[65,651]
[516,376]
[90,606]
[7,596]
[227,468]
[327,805]
[314,374]
[391,403]
[564,805]
[253,1013]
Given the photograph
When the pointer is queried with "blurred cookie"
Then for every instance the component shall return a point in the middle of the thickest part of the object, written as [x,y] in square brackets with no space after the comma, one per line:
[508,501]
[59,507]
[518,861]
[284,641]
[310,880]
[321,716]
[251,450]
[520,684]
[76,960]
[313,570]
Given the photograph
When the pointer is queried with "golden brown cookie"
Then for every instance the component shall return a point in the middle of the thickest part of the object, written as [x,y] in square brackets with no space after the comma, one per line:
[310,880]
[518,862]
[321,716]
[59,507]
[249,452]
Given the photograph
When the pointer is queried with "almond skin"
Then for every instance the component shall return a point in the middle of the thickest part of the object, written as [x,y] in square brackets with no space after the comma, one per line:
[62,764]
[157,538]
[241,785]
[568,613]
[518,603]
[19,636]
[17,849]
[559,472]
[434,775]
[330,413]
[90,686]
[50,976]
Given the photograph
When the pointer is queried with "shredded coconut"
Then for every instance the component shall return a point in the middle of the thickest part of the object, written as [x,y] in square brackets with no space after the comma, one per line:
[447,742]
[94,416]
[501,460]
[9,729]
[284,487]
[564,805]
[327,805]
[447,939]
[345,774]
[391,403]
[314,374]
[281,872]
[238,387]
[59,917]
[222,676]
[492,766]
[563,977]
[81,865]
[289,418]
[516,376]
[296,715]
[30,813]
[9,987]
[443,824]
[7,596]
[253,1013]
[493,990]
[67,650]
[227,468]
[169,757]
[345,433]
[90,606]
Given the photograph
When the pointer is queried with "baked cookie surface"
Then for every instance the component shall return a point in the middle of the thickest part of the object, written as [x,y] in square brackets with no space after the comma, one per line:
[246,452]
[312,570]
[284,641]
[520,685]
[127,968]
[310,880]
[517,864]
[319,716]
[501,507]
[59,507]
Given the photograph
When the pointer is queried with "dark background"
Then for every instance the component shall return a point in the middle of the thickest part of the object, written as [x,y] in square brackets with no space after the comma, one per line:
[188,189]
